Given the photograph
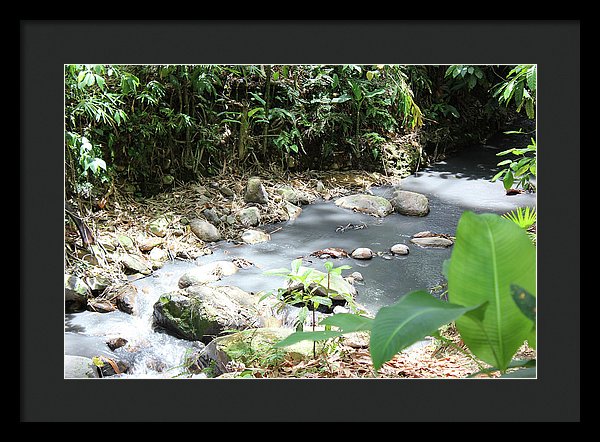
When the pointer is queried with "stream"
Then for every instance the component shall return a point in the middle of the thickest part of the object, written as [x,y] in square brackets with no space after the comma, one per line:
[460,183]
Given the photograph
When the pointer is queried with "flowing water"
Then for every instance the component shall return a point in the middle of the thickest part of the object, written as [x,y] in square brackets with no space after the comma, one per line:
[453,186]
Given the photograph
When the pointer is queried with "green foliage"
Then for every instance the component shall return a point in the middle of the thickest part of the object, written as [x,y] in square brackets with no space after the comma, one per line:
[491,293]
[520,169]
[490,254]
[466,76]
[524,217]
[416,315]
[519,88]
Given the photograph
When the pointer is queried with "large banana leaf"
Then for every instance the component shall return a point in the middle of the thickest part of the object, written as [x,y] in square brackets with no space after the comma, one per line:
[490,254]
[403,323]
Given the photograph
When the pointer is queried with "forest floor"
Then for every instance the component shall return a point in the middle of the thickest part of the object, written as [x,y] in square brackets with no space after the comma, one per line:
[123,215]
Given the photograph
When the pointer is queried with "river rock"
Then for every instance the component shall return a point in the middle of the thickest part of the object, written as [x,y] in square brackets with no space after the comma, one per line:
[243,347]
[362,253]
[255,192]
[249,216]
[145,243]
[77,293]
[79,367]
[211,216]
[357,276]
[126,297]
[157,254]
[253,236]
[100,306]
[206,273]
[204,230]
[369,204]
[202,312]
[97,284]
[158,226]
[432,241]
[135,264]
[400,249]
[115,343]
[293,196]
[292,210]
[226,191]
[409,203]
[127,243]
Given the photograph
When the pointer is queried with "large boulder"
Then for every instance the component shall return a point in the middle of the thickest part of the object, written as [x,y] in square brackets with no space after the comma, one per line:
[201,312]
[255,192]
[409,203]
[79,367]
[369,204]
[204,230]
[206,273]
[243,347]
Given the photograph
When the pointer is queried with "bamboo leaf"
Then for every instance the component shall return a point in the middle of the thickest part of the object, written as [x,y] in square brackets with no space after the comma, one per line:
[299,336]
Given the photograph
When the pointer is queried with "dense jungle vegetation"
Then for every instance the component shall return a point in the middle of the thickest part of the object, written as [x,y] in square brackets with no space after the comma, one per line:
[147,127]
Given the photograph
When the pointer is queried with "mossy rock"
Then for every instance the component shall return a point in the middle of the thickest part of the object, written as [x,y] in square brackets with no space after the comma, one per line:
[255,347]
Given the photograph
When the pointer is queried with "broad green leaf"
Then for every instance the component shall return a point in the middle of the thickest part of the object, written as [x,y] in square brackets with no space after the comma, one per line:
[258,98]
[508,90]
[531,78]
[519,94]
[348,322]
[526,373]
[529,108]
[373,93]
[294,148]
[416,315]
[298,336]
[471,82]
[275,76]
[370,75]
[321,300]
[490,254]
[525,301]
[508,180]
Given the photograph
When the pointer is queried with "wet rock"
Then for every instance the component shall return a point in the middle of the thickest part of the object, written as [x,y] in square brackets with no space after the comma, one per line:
[202,312]
[77,293]
[409,203]
[400,249]
[369,204]
[126,298]
[206,273]
[145,244]
[292,211]
[362,253]
[293,196]
[97,284]
[79,367]
[135,264]
[432,241]
[115,343]
[109,367]
[249,217]
[242,346]
[158,227]
[100,306]
[204,230]
[357,276]
[255,192]
[253,236]
[330,252]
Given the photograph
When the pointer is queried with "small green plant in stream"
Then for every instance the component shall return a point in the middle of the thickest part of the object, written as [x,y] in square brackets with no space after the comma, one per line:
[522,168]
[491,299]
[525,218]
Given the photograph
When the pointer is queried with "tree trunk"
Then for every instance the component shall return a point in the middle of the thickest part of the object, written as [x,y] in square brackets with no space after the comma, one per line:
[267,104]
